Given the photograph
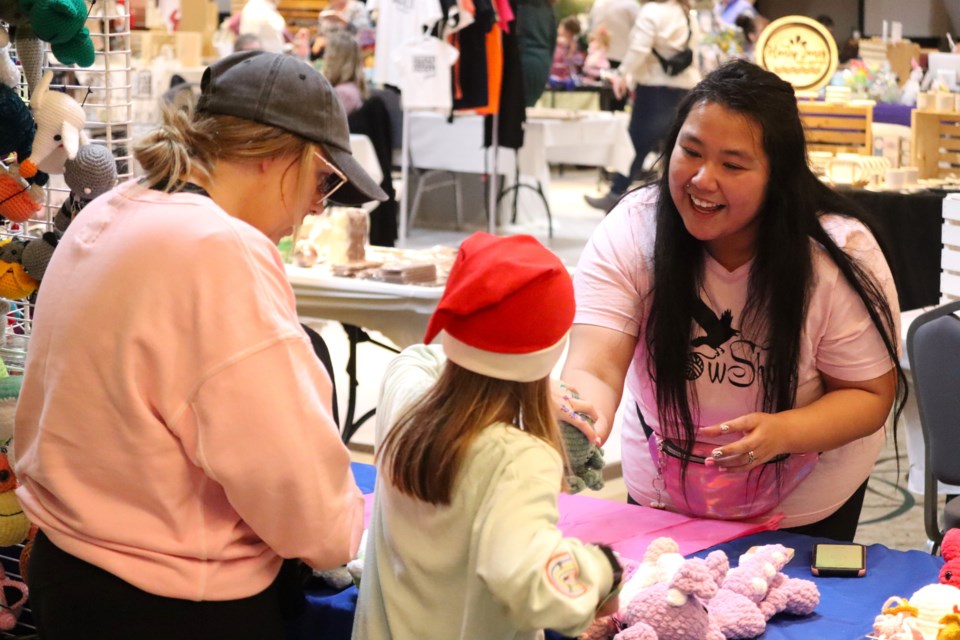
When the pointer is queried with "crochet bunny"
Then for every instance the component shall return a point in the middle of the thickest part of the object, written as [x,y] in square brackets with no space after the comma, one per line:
[676,611]
[60,121]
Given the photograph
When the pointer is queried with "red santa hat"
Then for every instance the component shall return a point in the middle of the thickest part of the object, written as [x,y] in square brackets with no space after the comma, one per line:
[507,308]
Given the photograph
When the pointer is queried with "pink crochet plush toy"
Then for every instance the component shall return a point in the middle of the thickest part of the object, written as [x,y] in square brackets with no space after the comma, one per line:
[677,611]
[757,590]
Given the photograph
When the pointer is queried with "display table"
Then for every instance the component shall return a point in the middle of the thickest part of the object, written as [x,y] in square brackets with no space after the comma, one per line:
[398,311]
[846,610]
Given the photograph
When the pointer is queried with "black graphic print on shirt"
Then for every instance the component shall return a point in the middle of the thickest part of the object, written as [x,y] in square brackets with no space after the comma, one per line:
[721,353]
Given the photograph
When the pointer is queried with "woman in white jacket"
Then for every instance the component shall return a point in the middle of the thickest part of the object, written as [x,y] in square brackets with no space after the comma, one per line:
[663,28]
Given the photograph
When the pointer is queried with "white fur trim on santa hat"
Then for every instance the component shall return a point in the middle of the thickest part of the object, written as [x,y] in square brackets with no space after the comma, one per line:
[519,367]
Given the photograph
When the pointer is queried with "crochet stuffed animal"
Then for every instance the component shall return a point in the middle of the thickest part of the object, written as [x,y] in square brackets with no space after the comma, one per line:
[60,121]
[61,23]
[897,621]
[675,611]
[14,525]
[586,458]
[950,550]
[13,595]
[19,200]
[794,596]
[15,282]
[92,173]
[757,589]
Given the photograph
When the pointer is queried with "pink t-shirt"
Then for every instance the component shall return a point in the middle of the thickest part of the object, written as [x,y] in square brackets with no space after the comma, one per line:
[174,425]
[612,279]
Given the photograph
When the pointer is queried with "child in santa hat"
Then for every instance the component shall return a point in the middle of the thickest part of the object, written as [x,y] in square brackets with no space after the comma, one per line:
[463,540]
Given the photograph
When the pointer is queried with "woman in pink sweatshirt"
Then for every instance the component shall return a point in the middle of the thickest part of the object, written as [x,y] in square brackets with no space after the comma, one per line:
[174,430]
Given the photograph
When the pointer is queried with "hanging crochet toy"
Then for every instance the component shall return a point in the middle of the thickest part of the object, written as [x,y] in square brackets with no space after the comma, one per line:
[15,283]
[92,173]
[60,121]
[61,23]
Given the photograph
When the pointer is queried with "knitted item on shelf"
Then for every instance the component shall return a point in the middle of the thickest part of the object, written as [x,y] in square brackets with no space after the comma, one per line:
[9,71]
[36,255]
[18,200]
[61,23]
[13,595]
[32,56]
[60,121]
[17,126]
[91,173]
[14,281]
[14,525]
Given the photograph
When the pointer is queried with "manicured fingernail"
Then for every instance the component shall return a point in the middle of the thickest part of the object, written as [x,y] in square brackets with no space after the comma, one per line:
[717,453]
[724,428]
[597,442]
[566,398]
[709,462]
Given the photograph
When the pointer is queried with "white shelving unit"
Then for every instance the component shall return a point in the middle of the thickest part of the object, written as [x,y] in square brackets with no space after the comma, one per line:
[105,91]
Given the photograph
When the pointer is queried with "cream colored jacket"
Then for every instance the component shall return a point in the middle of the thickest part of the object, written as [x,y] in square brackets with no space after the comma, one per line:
[490,566]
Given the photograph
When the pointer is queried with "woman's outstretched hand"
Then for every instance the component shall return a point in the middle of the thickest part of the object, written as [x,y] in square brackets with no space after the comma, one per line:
[761,440]
[568,407]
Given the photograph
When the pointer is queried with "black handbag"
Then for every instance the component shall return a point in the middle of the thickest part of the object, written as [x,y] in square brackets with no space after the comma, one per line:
[677,63]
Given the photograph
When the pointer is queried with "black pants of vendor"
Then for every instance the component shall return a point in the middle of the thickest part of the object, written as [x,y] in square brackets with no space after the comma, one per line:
[72,599]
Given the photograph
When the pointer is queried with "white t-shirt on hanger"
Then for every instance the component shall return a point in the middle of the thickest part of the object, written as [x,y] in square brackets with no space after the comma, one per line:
[424,73]
[398,22]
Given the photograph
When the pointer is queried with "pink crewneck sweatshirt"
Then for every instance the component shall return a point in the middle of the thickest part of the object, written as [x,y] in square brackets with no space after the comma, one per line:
[174,426]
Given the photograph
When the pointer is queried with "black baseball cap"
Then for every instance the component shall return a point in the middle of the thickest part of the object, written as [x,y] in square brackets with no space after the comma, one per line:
[284,92]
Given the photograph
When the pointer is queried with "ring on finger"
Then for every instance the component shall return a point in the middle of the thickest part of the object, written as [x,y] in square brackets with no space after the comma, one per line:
[751,458]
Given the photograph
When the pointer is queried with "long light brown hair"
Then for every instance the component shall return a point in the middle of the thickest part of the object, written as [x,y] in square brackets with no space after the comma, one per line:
[424,450]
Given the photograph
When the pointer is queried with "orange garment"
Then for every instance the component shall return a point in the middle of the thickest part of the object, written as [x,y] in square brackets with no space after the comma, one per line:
[494,42]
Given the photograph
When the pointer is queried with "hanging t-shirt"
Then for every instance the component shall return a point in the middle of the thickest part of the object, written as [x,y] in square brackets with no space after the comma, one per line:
[423,69]
[399,22]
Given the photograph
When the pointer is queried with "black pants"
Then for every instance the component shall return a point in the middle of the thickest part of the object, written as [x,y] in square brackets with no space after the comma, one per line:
[840,525]
[75,600]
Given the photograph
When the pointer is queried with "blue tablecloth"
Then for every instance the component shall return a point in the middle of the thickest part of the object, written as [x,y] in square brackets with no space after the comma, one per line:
[846,611]
[847,605]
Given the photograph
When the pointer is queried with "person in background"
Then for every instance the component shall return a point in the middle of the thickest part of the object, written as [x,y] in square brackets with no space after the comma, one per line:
[463,539]
[567,58]
[729,10]
[595,64]
[748,26]
[339,15]
[261,18]
[343,67]
[663,26]
[247,42]
[174,427]
[617,18]
[751,315]
[536,27]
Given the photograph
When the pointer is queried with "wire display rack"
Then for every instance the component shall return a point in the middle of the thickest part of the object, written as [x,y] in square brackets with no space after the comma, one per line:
[105,91]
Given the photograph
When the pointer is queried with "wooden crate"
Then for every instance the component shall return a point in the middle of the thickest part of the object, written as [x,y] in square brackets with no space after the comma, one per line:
[186,46]
[936,143]
[838,128]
